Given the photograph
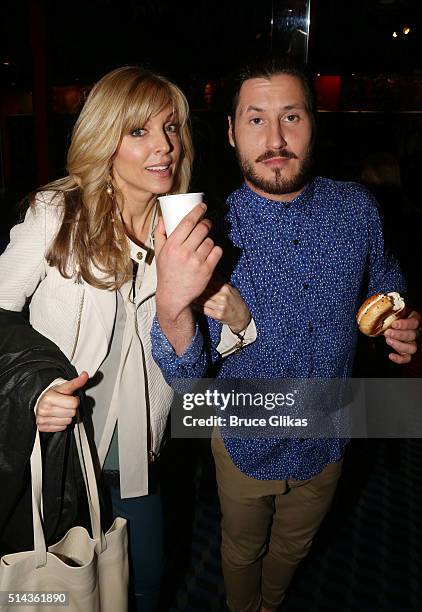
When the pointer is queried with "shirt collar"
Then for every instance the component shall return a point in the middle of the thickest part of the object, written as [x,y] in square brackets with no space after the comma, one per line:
[137,253]
[258,208]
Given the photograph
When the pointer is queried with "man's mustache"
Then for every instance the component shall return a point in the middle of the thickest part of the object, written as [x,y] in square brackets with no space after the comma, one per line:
[270,154]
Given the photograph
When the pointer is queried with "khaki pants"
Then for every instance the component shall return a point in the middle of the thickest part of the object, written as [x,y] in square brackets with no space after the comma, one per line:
[267,528]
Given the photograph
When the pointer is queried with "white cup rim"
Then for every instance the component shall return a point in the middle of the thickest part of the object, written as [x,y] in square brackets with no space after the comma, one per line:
[178,195]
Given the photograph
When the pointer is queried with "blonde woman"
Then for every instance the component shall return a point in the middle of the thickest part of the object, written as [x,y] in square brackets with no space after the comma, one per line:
[84,259]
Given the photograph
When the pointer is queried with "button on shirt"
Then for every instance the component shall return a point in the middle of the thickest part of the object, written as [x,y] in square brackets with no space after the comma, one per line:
[304,270]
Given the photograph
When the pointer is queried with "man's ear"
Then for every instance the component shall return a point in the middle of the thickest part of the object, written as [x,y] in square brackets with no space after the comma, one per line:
[231,132]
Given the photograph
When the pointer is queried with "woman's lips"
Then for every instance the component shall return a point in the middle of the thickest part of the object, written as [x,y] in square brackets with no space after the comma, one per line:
[162,170]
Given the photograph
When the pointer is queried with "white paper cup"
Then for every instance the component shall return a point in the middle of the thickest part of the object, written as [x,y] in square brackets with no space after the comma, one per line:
[175,207]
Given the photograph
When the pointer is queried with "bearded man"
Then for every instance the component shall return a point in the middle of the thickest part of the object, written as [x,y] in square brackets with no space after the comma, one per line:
[311,250]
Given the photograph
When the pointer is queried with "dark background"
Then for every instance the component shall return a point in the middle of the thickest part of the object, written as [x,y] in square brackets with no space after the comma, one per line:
[203,40]
[369,83]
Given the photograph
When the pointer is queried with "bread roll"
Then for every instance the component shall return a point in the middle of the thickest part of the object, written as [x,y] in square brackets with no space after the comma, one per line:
[378,312]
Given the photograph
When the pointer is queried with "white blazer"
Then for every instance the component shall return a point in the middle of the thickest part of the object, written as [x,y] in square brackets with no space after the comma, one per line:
[79,318]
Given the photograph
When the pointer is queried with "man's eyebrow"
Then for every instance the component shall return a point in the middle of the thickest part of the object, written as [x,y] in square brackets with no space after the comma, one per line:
[293,106]
[256,109]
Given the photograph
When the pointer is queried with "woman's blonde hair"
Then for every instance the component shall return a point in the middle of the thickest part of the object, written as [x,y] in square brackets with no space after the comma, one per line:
[92,233]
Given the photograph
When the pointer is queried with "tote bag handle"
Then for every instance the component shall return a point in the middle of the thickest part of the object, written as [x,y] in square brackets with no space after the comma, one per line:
[87,467]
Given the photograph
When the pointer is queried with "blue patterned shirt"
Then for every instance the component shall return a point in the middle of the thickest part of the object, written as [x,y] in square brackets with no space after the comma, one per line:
[305,268]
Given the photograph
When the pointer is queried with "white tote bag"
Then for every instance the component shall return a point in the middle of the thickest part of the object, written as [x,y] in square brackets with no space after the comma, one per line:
[91,572]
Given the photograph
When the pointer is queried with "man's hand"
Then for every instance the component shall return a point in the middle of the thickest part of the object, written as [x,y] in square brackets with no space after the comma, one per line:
[401,336]
[57,406]
[223,302]
[185,263]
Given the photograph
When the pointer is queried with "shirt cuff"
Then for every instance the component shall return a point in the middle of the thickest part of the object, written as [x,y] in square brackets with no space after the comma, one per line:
[163,348]
[230,342]
[56,381]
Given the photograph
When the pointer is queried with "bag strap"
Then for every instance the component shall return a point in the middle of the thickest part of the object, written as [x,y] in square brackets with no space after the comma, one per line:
[87,467]
[37,510]
[88,473]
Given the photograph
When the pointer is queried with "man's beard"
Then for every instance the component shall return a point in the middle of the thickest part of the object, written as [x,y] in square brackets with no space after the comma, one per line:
[278,185]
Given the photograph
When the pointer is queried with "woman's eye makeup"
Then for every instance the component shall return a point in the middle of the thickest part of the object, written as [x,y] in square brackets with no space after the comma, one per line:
[138,132]
[172,128]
